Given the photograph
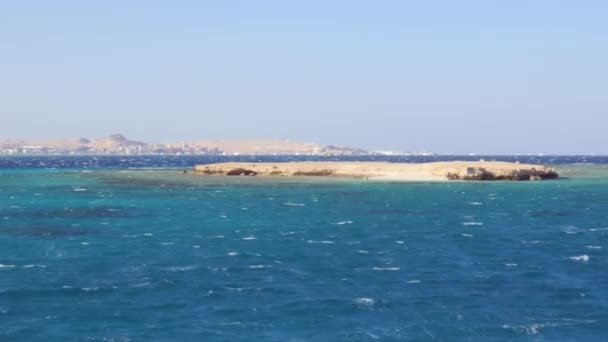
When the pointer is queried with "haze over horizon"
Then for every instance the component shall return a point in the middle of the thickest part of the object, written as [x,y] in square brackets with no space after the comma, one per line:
[488,77]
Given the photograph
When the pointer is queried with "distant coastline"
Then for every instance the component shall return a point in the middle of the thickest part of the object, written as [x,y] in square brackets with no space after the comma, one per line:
[118,144]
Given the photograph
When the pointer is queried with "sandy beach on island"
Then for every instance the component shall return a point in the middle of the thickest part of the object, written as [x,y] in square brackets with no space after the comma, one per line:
[435,171]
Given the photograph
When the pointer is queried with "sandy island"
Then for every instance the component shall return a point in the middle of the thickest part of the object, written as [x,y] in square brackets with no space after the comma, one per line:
[436,171]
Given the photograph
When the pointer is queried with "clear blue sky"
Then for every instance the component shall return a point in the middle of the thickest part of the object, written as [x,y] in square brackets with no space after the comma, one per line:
[445,76]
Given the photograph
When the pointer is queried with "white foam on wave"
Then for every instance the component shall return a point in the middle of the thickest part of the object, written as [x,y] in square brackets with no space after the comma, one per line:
[240,289]
[7,266]
[168,243]
[511,264]
[181,268]
[144,284]
[400,242]
[218,269]
[570,230]
[594,247]
[232,253]
[364,301]
[324,242]
[386,268]
[414,281]
[257,267]
[472,223]
[341,223]
[361,251]
[291,204]
[79,189]
[33,266]
[137,235]
[248,238]
[475,203]
[530,329]
[597,229]
[467,235]
[536,242]
[581,258]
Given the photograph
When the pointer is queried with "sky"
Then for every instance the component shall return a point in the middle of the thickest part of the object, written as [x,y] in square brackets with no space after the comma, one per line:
[497,77]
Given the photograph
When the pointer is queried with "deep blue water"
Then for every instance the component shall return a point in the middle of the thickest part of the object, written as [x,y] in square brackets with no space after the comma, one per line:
[109,254]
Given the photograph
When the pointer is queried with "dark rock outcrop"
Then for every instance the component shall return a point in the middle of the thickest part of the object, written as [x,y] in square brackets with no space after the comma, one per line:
[241,172]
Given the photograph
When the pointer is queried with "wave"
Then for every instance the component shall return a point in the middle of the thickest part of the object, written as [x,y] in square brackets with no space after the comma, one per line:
[472,223]
[386,268]
[255,267]
[291,204]
[341,223]
[581,258]
[364,301]
[324,242]
[181,268]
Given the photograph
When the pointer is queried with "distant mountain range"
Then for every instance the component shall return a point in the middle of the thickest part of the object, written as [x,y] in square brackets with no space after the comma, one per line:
[118,144]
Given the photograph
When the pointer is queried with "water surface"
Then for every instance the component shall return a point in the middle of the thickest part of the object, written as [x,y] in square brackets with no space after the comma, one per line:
[117,255]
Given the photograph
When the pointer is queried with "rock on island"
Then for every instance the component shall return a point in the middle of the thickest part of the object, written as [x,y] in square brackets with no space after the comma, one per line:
[454,170]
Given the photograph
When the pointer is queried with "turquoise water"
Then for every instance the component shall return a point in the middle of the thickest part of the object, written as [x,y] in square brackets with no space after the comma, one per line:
[134,255]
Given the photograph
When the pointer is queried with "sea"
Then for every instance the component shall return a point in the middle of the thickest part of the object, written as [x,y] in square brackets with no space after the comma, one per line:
[108,248]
